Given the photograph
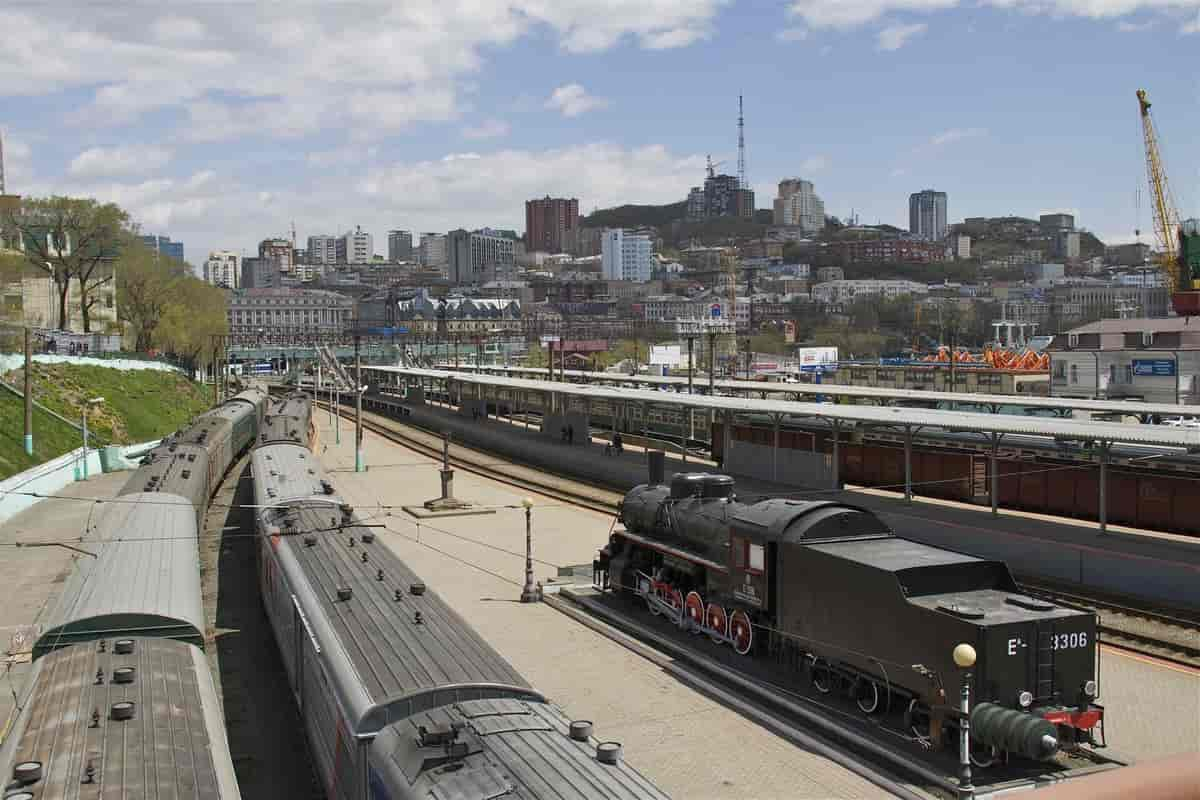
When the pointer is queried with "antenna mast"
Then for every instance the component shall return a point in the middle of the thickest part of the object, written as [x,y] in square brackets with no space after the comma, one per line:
[741,146]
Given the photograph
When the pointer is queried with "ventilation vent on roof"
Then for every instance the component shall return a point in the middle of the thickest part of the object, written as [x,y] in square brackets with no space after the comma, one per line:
[581,730]
[368,537]
[124,674]
[123,646]
[417,589]
[122,710]
[344,593]
[27,772]
[609,753]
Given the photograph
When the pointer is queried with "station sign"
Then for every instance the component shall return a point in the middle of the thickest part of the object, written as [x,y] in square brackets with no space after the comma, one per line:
[1158,367]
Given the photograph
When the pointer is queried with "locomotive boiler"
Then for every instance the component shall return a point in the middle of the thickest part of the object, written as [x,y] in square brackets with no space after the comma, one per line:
[829,588]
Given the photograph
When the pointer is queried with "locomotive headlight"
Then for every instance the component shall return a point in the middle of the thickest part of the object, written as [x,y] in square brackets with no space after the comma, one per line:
[1025,699]
[1089,688]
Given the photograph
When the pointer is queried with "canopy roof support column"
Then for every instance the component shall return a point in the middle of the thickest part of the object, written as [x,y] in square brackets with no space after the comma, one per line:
[776,420]
[836,464]
[1102,500]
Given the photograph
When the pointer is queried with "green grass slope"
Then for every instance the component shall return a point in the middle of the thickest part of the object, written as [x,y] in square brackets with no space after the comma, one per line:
[139,405]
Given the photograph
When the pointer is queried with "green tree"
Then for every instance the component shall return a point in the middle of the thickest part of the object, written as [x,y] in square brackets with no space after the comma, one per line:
[194,316]
[146,283]
[70,238]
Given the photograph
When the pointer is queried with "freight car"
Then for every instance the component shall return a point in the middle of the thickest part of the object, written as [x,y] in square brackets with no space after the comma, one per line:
[400,698]
[827,587]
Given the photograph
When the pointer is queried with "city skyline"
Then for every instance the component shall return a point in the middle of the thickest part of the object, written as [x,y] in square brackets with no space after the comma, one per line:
[220,135]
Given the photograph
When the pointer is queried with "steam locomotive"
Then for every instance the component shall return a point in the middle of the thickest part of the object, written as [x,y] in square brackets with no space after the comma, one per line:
[829,588]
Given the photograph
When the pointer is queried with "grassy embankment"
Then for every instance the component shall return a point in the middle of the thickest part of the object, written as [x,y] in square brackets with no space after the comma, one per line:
[139,405]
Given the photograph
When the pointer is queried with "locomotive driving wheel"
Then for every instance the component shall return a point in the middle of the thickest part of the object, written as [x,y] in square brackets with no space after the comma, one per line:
[693,605]
[741,631]
[866,693]
[718,621]
[675,598]
[822,676]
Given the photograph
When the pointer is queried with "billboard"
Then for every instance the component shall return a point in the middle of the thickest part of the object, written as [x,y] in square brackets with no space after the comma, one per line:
[1160,367]
[670,355]
[816,356]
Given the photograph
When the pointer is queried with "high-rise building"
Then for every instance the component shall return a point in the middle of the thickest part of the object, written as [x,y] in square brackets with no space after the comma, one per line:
[400,245]
[432,250]
[927,215]
[626,255]
[278,252]
[322,249]
[164,246]
[475,257]
[799,206]
[358,247]
[223,268]
[546,222]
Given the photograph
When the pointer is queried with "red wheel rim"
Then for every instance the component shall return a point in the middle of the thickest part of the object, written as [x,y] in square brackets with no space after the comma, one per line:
[717,618]
[741,631]
[675,598]
[695,607]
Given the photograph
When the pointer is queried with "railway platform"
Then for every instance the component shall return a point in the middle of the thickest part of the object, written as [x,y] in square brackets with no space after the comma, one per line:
[689,745]
[32,574]
[1159,569]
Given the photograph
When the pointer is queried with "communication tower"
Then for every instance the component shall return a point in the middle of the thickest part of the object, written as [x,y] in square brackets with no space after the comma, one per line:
[741,146]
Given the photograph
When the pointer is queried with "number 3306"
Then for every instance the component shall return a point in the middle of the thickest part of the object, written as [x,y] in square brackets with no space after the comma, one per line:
[1064,641]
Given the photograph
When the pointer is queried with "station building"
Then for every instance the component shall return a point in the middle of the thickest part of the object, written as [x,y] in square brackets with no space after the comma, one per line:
[1155,360]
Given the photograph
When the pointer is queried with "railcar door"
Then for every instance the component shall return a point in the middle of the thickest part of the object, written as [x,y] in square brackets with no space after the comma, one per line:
[748,571]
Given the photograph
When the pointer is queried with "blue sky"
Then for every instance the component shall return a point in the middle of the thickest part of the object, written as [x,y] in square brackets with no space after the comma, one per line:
[222,124]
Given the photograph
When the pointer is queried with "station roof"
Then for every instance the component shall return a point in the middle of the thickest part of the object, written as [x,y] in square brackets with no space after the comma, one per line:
[1070,429]
[876,393]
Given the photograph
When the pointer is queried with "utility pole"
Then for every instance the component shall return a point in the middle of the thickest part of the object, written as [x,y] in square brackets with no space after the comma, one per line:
[28,395]
[215,373]
[358,432]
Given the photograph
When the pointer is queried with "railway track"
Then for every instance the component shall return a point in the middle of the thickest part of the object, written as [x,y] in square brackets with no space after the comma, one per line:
[1172,636]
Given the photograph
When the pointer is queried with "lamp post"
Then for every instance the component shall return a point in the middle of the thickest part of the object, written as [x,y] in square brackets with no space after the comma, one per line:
[964,659]
[95,401]
[529,592]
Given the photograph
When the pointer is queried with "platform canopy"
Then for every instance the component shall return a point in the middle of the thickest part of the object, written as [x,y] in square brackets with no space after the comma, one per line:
[898,417]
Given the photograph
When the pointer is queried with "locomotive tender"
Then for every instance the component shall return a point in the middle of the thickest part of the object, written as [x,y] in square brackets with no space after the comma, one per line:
[828,587]
[399,697]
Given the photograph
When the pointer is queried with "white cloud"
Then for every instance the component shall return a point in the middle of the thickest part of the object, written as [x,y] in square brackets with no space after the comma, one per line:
[18,168]
[572,100]
[1191,27]
[400,63]
[795,34]
[853,13]
[956,134]
[488,129]
[107,162]
[893,37]
[1135,27]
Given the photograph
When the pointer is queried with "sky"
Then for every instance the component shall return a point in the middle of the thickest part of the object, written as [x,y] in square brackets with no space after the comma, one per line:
[223,123]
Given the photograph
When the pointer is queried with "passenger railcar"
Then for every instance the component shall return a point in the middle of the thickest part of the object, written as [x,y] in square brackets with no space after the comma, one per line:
[399,696]
[829,588]
[128,717]
[287,419]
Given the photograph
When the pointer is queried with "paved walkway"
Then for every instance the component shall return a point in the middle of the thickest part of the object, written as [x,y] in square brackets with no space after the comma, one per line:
[689,745]
[31,578]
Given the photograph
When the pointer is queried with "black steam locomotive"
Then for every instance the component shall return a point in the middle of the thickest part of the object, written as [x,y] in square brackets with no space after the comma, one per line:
[829,588]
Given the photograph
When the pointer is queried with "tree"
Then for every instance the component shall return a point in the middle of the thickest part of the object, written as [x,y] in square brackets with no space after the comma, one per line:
[195,315]
[146,283]
[70,238]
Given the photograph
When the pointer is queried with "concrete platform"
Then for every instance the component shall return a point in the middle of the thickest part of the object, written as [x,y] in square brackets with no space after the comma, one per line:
[691,746]
[1153,706]
[31,578]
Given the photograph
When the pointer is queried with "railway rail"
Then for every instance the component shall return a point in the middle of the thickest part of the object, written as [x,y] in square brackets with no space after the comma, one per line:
[1170,635]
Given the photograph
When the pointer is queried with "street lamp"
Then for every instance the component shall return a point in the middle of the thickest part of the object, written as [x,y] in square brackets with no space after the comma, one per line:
[529,592]
[964,659]
[95,401]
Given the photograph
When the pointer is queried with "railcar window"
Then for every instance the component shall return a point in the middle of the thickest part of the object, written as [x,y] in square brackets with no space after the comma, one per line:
[757,557]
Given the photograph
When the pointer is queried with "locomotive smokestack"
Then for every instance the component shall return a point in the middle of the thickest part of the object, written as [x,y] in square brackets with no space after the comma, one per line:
[656,465]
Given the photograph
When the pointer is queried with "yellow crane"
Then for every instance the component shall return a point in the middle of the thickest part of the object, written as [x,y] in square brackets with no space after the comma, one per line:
[1166,215]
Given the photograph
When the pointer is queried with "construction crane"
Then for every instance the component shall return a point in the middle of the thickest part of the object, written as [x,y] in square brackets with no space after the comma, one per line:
[1166,219]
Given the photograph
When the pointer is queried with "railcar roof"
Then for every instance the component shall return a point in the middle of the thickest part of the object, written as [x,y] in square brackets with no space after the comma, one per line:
[514,749]
[995,607]
[892,553]
[284,472]
[392,652]
[172,747]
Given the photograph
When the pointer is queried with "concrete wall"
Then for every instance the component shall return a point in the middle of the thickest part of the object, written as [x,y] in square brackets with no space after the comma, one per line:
[793,467]
[552,425]
[51,476]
